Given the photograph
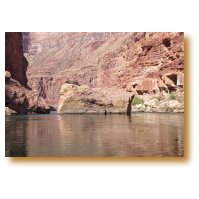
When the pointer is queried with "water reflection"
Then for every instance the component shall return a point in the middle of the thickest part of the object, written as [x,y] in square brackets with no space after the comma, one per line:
[95,135]
[15,138]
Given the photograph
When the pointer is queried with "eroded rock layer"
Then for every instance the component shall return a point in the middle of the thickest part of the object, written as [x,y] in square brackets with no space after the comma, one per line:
[83,99]
[145,64]
[19,98]
[15,62]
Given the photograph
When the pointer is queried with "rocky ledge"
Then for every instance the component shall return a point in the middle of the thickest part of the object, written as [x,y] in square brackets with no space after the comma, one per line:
[20,100]
[75,98]
[158,103]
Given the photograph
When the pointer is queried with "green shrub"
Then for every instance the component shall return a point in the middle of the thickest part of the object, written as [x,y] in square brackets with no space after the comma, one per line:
[137,100]
[172,96]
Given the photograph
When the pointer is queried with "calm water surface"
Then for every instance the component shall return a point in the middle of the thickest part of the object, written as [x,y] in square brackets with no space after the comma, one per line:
[143,134]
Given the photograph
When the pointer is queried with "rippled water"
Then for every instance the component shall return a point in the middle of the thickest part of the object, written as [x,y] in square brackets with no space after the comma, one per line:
[143,134]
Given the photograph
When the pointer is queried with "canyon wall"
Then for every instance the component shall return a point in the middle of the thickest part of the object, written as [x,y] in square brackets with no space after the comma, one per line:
[15,62]
[57,57]
[19,98]
[133,63]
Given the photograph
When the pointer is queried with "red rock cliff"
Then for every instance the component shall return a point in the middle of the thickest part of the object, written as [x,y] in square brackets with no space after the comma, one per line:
[134,62]
[18,96]
[15,62]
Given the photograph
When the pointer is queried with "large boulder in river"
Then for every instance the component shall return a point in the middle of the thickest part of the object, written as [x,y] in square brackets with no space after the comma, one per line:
[83,99]
[71,96]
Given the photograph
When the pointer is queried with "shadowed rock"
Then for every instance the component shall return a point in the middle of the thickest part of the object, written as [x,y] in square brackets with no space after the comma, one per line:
[128,112]
[18,95]
[72,82]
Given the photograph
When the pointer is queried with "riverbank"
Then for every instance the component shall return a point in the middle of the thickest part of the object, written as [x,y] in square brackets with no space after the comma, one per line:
[83,99]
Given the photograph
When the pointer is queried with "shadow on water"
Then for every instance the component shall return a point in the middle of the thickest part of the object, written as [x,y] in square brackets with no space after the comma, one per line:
[15,143]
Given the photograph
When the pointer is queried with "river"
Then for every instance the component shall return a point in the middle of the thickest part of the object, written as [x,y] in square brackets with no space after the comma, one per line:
[95,135]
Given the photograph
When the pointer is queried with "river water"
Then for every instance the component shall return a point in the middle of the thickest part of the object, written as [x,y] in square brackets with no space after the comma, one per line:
[141,135]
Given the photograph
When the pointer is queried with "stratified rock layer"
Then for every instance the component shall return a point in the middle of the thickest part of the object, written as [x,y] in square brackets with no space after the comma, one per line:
[23,100]
[134,63]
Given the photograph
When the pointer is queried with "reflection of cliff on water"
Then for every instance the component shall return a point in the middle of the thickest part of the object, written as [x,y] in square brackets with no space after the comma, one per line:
[118,135]
[43,136]
[15,138]
[95,135]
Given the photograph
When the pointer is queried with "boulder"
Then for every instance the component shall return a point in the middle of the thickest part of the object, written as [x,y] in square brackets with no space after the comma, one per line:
[7,75]
[9,111]
[37,104]
[163,107]
[23,100]
[153,103]
[73,99]
[148,109]
[83,99]
[172,104]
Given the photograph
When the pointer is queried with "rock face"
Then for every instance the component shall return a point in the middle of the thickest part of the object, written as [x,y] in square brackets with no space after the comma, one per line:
[83,99]
[22,100]
[57,57]
[19,98]
[144,64]
[154,103]
[15,62]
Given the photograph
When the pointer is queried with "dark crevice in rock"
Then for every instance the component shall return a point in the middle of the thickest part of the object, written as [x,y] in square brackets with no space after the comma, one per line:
[41,88]
[173,78]
[166,42]
[72,82]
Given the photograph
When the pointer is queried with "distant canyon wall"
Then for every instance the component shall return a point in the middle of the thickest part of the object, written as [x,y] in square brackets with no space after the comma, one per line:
[141,63]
